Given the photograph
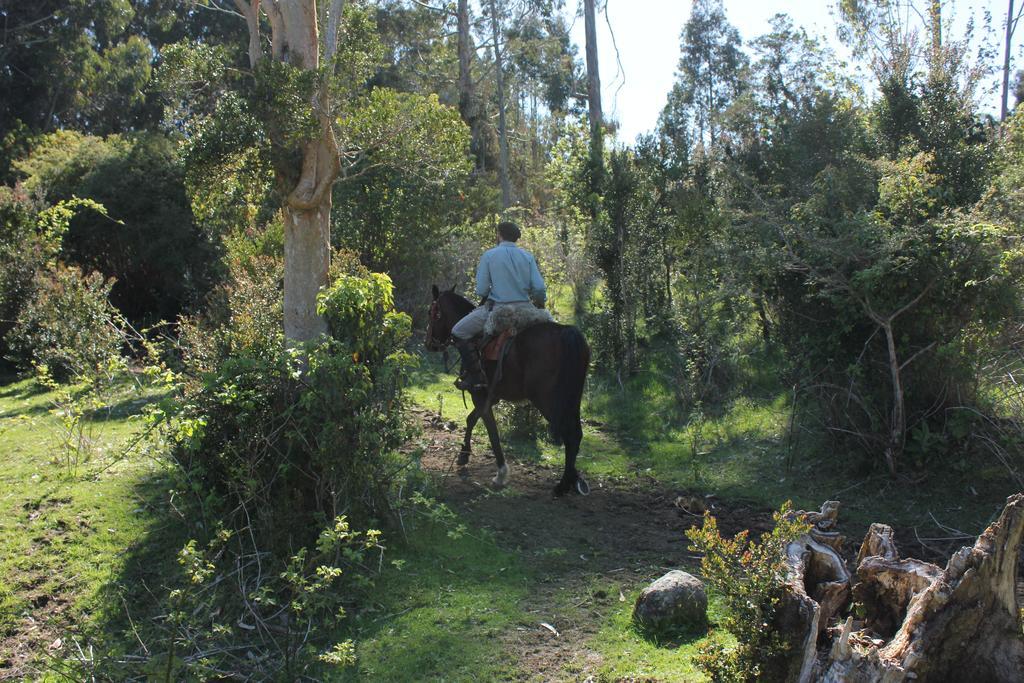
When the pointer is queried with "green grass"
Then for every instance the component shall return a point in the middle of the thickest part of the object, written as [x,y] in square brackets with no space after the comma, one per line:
[629,653]
[66,538]
[91,554]
[443,614]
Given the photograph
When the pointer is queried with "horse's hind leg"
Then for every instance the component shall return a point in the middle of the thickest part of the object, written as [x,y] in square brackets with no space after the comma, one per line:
[570,477]
[501,478]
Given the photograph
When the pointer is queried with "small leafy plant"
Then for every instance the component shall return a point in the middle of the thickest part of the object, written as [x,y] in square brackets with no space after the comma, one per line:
[749,575]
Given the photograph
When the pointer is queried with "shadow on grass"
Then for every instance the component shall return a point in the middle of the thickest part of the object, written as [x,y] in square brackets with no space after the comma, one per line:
[129,635]
[671,638]
[439,611]
[129,406]
[18,387]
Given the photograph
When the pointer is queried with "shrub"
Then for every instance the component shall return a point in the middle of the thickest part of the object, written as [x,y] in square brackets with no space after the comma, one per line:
[750,577]
[67,324]
[23,251]
[243,315]
[149,243]
[304,430]
[888,309]
[275,443]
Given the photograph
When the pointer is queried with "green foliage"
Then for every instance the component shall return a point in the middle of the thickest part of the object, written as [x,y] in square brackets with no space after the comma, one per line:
[243,316]
[749,576]
[24,250]
[1003,200]
[303,604]
[148,243]
[67,324]
[907,190]
[360,314]
[945,284]
[401,204]
[709,71]
[275,442]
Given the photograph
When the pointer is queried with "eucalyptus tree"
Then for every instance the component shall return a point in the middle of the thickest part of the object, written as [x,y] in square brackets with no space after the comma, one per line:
[1012,18]
[709,76]
[305,113]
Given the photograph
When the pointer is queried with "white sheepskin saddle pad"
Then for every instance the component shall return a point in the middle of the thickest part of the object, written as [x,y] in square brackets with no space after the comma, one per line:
[516,318]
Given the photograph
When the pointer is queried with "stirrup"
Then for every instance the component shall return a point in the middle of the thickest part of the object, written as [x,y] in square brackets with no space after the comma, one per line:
[464,384]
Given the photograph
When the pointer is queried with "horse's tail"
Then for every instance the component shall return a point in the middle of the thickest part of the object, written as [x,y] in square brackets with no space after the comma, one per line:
[572,373]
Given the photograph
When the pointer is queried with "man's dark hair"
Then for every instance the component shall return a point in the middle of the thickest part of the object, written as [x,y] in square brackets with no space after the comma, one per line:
[509,232]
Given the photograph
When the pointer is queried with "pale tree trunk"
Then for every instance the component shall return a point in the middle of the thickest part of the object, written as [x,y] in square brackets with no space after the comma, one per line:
[593,73]
[307,236]
[898,417]
[295,39]
[1011,24]
[506,187]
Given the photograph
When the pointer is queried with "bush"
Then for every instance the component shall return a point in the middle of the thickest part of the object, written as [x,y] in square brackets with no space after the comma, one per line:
[938,286]
[243,316]
[750,577]
[149,243]
[303,431]
[285,451]
[68,323]
[23,251]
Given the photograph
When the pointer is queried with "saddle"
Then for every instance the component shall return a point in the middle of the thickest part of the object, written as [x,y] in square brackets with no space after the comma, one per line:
[490,347]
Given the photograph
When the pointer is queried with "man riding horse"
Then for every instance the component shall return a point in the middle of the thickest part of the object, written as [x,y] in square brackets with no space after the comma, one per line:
[507,277]
[540,361]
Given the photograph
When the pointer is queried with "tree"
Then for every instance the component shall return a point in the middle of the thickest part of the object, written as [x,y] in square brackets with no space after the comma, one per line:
[593,75]
[1011,26]
[499,69]
[469,106]
[708,79]
[148,242]
[306,174]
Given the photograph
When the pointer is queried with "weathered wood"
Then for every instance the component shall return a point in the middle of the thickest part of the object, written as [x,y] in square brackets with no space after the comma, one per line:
[920,622]
[817,588]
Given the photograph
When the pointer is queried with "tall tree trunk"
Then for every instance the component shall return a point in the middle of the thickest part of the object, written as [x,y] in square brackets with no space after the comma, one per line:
[468,107]
[593,83]
[506,188]
[307,237]
[1010,25]
[935,21]
[295,38]
[898,425]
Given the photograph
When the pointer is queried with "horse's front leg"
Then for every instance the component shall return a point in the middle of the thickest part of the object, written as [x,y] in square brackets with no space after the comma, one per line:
[467,443]
[501,478]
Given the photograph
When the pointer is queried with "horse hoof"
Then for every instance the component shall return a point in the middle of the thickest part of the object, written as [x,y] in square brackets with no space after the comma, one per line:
[463,473]
[501,478]
[561,489]
[582,487]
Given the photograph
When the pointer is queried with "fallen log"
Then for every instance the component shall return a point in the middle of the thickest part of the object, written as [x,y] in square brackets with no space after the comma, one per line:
[914,620]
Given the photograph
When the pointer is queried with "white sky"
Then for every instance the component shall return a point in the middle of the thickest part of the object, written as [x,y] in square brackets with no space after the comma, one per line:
[647,34]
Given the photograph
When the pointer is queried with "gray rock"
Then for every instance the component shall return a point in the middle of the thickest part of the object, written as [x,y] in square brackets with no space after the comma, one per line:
[676,599]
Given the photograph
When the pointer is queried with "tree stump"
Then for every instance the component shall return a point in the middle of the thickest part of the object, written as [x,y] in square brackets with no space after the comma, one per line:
[919,622]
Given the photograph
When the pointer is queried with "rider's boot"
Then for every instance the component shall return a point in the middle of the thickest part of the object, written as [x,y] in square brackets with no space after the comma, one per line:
[472,374]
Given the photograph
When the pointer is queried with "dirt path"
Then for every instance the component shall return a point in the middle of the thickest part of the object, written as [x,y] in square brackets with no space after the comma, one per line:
[622,536]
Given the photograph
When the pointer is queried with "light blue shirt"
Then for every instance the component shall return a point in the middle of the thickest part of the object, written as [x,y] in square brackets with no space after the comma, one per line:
[508,274]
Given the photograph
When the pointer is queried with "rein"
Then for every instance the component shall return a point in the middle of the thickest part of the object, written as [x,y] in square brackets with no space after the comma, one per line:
[435,316]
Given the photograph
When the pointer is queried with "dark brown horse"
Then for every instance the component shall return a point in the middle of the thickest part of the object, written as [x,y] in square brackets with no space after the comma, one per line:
[545,364]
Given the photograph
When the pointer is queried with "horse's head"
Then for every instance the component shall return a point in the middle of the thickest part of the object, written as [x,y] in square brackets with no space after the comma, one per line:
[446,309]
